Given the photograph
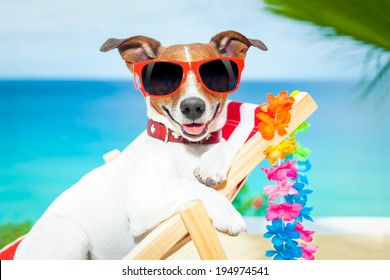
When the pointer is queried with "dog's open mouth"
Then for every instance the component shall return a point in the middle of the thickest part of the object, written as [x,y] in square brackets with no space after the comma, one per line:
[194,129]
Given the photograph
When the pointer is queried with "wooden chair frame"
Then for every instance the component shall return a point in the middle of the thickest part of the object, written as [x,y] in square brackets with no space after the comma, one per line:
[192,220]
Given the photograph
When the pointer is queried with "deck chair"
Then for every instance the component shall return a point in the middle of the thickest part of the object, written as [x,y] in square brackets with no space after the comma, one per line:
[192,222]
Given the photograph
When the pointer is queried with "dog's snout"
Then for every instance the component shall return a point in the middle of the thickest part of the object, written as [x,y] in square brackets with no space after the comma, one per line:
[193,107]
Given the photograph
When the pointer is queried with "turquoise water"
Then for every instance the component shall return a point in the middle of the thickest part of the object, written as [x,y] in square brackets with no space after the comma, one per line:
[53,132]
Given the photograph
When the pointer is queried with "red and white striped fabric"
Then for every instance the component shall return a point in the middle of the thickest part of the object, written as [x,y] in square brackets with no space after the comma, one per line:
[241,122]
[241,125]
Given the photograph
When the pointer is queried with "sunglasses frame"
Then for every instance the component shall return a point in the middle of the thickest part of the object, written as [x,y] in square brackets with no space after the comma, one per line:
[186,66]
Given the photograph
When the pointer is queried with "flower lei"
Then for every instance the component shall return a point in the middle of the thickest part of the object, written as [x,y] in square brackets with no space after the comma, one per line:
[290,164]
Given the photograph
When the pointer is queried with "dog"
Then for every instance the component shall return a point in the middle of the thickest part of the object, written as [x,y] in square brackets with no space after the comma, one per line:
[180,158]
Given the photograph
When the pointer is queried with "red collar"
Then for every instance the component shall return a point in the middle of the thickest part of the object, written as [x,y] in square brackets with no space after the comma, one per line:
[160,131]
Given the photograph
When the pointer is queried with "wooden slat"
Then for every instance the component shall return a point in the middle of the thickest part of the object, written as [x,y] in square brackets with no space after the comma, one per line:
[111,156]
[160,241]
[202,231]
[178,246]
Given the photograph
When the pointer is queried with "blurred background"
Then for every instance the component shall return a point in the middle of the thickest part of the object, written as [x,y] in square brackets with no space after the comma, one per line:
[63,104]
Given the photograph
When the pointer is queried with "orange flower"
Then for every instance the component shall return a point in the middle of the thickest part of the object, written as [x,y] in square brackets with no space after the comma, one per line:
[269,125]
[276,104]
[275,116]
[287,147]
[266,126]
[258,203]
[282,120]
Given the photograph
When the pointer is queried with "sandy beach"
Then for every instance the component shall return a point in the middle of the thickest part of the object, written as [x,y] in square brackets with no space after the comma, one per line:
[335,237]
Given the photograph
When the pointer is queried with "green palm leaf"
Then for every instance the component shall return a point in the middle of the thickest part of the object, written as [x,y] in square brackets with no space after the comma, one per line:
[367,22]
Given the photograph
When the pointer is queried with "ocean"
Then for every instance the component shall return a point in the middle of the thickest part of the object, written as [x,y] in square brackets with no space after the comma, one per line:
[52,132]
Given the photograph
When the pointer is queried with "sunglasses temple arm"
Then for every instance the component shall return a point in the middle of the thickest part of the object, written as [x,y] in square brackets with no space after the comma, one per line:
[137,80]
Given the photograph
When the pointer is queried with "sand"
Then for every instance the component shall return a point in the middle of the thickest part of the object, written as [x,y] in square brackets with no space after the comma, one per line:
[331,247]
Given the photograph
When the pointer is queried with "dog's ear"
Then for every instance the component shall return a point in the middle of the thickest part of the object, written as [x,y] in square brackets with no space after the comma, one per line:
[134,49]
[234,44]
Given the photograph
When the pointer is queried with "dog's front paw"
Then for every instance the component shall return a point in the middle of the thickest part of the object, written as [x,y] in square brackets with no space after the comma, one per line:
[226,218]
[210,176]
[231,224]
[214,165]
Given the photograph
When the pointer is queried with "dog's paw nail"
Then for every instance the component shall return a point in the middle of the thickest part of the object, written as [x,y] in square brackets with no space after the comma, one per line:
[209,178]
[210,182]
[197,171]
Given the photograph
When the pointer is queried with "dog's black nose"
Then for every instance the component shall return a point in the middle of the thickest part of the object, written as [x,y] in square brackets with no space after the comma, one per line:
[192,107]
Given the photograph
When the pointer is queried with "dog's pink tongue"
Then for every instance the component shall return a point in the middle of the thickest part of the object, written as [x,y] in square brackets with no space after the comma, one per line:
[194,129]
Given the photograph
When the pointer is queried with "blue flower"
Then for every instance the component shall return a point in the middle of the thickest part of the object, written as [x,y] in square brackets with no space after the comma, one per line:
[285,252]
[282,233]
[303,167]
[305,214]
[301,197]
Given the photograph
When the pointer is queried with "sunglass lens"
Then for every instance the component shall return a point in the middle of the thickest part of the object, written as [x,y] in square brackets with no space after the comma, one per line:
[161,78]
[219,75]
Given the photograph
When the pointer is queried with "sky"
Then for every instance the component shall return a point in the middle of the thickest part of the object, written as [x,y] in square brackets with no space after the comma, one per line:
[61,39]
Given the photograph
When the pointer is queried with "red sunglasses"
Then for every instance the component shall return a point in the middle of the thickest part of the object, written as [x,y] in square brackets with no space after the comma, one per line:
[162,78]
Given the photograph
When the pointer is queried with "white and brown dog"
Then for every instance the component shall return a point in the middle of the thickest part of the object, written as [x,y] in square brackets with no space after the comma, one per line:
[178,160]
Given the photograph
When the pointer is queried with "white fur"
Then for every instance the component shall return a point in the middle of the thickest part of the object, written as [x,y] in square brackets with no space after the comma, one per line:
[108,211]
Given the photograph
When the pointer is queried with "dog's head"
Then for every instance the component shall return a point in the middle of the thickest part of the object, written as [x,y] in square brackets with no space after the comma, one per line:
[192,104]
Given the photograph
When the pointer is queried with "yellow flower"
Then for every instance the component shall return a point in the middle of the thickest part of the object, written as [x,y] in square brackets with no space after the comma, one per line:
[286,147]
